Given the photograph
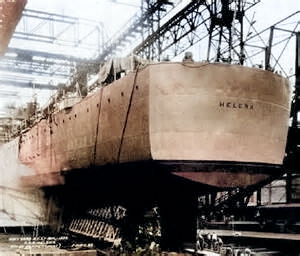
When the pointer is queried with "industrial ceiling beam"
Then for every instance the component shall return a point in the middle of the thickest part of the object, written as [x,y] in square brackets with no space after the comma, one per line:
[53,48]
[60,30]
[27,84]
[35,67]
[48,55]
[142,24]
[41,63]
[172,32]
[193,24]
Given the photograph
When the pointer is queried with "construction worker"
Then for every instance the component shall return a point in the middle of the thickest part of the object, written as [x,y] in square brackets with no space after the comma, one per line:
[209,240]
[199,240]
[214,239]
[219,244]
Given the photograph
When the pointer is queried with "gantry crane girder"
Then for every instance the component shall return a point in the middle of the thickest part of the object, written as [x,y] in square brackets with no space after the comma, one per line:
[171,33]
[141,25]
[40,47]
[219,22]
[60,30]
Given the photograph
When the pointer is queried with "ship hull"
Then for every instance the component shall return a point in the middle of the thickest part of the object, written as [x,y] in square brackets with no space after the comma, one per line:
[156,139]
[217,124]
